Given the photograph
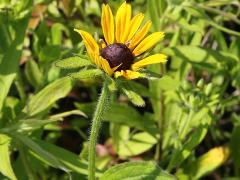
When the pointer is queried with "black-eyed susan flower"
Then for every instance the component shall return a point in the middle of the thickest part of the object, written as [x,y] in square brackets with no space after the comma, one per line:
[124,41]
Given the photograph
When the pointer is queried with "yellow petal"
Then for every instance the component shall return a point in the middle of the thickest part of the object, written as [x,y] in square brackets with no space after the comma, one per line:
[107,22]
[156,58]
[97,60]
[106,67]
[90,43]
[123,19]
[148,43]
[128,74]
[134,25]
[140,35]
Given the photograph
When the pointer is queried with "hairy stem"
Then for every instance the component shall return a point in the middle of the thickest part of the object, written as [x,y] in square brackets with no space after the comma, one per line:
[96,123]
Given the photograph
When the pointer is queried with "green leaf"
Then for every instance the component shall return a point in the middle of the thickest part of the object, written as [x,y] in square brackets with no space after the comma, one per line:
[167,83]
[50,53]
[181,154]
[195,54]
[129,116]
[153,11]
[130,145]
[56,33]
[135,98]
[5,165]
[36,148]
[70,160]
[86,74]
[33,74]
[27,125]
[73,62]
[9,63]
[49,95]
[136,170]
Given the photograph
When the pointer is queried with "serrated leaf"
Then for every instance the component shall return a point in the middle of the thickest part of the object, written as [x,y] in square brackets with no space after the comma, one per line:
[86,74]
[136,170]
[73,62]
[135,98]
[5,164]
[47,96]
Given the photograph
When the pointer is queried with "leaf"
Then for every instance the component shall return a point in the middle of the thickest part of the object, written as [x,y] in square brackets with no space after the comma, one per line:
[47,96]
[33,73]
[135,98]
[56,33]
[86,74]
[73,62]
[36,148]
[131,145]
[181,154]
[70,160]
[5,165]
[153,11]
[136,170]
[129,116]
[13,52]
[167,83]
[50,53]
[28,125]
[208,162]
[195,54]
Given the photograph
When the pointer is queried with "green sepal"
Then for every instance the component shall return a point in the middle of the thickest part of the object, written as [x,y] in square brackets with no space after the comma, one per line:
[86,74]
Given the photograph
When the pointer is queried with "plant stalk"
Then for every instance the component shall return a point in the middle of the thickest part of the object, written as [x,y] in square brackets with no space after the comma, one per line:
[96,123]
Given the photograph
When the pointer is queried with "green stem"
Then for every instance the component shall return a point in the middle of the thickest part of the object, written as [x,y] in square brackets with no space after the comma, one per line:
[184,128]
[96,122]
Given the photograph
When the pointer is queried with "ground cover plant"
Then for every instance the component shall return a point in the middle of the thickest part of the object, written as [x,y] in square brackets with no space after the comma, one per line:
[73,108]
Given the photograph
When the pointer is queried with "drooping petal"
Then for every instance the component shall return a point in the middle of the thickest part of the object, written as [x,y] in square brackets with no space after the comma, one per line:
[133,27]
[123,19]
[148,43]
[107,22]
[97,60]
[128,74]
[140,35]
[154,59]
[106,67]
[90,43]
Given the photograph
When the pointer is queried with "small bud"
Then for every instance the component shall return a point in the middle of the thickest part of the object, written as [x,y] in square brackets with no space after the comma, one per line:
[208,89]
[200,83]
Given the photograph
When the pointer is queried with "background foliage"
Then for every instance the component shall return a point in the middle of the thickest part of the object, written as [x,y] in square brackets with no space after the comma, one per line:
[189,125]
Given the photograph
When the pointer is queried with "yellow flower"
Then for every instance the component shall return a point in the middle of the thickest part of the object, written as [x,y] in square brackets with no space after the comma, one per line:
[124,40]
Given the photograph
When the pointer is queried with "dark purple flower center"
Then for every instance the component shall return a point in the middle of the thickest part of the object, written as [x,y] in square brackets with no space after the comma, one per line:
[117,54]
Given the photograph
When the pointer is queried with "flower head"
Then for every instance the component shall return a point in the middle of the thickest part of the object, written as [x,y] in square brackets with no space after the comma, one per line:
[124,41]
